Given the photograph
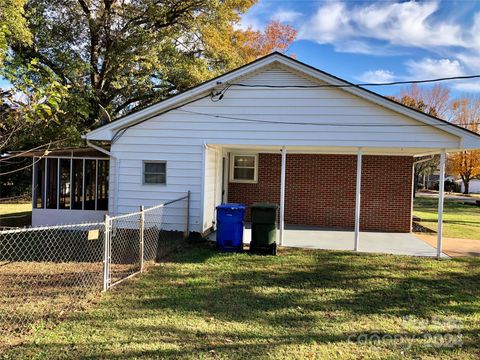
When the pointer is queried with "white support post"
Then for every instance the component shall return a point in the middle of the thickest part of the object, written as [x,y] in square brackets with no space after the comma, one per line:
[83,185]
[34,183]
[357,199]
[96,184]
[106,254]
[141,228]
[58,183]
[441,197]
[71,183]
[282,195]
[45,185]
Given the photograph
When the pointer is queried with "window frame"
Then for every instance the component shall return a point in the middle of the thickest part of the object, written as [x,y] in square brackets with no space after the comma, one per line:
[232,169]
[144,163]
[43,194]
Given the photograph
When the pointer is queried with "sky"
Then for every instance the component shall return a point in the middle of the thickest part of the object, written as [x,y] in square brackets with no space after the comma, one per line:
[382,41]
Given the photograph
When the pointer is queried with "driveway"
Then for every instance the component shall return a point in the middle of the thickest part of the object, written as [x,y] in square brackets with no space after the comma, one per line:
[454,247]
[449,197]
[309,237]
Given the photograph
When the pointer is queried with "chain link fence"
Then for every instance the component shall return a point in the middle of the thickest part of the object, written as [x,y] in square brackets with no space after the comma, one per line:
[47,272]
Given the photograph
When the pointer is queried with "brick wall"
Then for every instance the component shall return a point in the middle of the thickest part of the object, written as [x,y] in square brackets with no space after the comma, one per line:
[320,190]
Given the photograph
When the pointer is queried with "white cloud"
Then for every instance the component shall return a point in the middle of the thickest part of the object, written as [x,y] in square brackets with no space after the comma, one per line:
[377,76]
[329,23]
[286,16]
[406,24]
[434,68]
[468,86]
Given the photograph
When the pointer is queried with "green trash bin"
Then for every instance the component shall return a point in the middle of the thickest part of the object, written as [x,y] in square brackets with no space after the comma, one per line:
[264,228]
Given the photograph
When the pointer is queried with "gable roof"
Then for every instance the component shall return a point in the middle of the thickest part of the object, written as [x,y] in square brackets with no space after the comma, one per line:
[108,131]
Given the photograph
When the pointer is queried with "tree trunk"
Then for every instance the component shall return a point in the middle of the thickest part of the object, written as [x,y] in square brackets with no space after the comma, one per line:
[466,185]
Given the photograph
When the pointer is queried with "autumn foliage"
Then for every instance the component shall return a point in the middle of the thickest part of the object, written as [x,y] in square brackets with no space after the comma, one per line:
[466,164]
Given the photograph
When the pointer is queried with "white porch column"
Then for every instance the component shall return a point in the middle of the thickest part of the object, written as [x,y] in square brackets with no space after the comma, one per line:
[357,199]
[282,195]
[441,197]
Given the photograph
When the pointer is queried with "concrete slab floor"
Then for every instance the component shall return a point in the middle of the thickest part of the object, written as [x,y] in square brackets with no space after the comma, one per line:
[370,242]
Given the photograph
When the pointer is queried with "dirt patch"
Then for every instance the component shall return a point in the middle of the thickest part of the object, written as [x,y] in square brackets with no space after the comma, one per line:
[454,247]
[36,294]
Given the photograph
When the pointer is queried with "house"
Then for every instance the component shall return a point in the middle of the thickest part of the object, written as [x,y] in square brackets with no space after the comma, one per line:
[474,186]
[273,130]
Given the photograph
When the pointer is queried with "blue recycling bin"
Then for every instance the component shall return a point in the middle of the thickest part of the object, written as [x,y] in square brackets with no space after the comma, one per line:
[230,227]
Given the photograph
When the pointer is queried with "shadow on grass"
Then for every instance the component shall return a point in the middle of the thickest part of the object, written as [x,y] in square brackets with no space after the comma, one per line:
[203,302]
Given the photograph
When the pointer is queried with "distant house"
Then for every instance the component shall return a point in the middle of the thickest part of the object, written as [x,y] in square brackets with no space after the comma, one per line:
[474,186]
[274,130]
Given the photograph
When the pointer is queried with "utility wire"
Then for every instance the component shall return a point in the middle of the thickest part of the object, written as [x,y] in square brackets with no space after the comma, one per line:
[217,96]
[26,167]
[314,123]
[35,148]
[357,85]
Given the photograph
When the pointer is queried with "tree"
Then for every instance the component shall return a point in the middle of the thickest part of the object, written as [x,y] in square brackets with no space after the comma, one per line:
[124,55]
[434,101]
[466,164]
[13,27]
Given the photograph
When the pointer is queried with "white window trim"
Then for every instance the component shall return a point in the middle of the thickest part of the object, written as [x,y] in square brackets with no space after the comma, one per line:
[157,162]
[232,167]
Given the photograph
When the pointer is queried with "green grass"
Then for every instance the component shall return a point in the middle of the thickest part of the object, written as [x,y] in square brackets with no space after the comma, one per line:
[15,215]
[302,304]
[460,220]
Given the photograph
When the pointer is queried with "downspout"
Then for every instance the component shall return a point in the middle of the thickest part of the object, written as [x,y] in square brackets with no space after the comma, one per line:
[117,172]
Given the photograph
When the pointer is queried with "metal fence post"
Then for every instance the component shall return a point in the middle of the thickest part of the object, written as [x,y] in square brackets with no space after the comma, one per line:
[187,233]
[106,254]
[141,228]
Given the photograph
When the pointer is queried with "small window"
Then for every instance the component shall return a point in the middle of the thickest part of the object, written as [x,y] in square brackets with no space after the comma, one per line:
[154,172]
[244,168]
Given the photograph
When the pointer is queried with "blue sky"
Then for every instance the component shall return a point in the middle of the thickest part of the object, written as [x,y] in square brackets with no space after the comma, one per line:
[382,41]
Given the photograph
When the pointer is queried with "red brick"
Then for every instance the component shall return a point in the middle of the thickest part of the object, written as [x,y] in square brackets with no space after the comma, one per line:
[320,190]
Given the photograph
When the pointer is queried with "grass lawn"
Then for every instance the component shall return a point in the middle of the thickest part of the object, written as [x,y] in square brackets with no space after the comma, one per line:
[16,215]
[302,304]
[459,220]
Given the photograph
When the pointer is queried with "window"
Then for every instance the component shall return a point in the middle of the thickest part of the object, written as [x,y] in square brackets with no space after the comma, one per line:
[66,183]
[77,185]
[38,180]
[90,184]
[102,188]
[244,168]
[52,183]
[154,172]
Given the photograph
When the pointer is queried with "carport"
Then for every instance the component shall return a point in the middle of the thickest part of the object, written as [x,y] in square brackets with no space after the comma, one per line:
[368,213]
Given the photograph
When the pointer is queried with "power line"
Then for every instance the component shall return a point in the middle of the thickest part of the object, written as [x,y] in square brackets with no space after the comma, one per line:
[35,148]
[217,96]
[314,123]
[357,85]
[26,167]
